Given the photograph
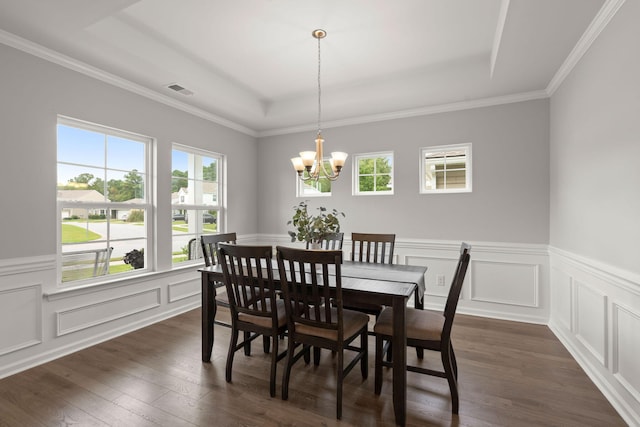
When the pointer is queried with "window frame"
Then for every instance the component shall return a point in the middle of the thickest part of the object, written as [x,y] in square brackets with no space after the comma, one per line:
[147,205]
[218,206]
[467,147]
[356,173]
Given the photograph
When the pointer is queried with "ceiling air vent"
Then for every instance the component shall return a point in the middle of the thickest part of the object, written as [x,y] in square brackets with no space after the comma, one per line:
[180,89]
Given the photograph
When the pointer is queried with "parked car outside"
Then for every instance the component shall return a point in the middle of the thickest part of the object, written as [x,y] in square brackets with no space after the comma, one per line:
[179,217]
[207,218]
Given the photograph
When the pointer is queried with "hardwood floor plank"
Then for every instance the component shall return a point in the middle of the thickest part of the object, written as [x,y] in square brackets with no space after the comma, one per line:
[510,374]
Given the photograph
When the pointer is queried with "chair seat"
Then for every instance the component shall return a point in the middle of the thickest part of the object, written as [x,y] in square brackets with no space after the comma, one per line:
[353,322]
[266,321]
[424,325]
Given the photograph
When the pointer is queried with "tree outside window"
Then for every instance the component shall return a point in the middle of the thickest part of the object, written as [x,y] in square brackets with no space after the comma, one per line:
[374,173]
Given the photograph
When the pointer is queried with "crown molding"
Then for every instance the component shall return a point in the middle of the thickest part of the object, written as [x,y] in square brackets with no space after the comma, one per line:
[50,55]
[424,111]
[605,14]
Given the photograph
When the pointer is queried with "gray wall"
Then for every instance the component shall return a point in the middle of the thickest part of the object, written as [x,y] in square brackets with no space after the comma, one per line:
[595,149]
[510,198]
[35,91]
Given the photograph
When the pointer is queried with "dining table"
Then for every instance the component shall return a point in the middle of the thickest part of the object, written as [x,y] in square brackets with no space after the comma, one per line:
[382,284]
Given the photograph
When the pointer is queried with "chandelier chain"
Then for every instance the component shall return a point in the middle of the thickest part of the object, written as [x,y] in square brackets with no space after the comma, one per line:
[319,90]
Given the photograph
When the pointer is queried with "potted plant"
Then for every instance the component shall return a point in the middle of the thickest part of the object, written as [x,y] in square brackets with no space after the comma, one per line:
[313,228]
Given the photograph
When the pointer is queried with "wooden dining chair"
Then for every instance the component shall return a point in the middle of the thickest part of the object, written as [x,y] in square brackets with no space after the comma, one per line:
[255,309]
[331,241]
[308,278]
[209,244]
[428,330]
[372,248]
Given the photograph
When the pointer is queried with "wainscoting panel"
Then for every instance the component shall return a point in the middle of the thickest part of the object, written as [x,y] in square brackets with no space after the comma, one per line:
[86,316]
[626,349]
[184,289]
[437,266]
[505,283]
[591,320]
[562,298]
[20,318]
[603,331]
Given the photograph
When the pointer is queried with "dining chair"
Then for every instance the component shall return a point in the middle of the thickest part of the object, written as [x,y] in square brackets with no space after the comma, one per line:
[372,248]
[307,278]
[255,309]
[209,244]
[428,330]
[331,241]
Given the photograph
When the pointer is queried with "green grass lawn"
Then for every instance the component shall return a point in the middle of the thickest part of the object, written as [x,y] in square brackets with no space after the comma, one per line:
[74,234]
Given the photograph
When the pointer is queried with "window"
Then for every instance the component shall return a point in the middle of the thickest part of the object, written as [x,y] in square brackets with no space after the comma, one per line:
[373,173]
[445,169]
[195,200]
[312,188]
[103,200]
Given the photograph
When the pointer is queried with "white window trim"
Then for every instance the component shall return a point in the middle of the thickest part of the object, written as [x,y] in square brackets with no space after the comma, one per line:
[219,206]
[356,182]
[148,206]
[468,168]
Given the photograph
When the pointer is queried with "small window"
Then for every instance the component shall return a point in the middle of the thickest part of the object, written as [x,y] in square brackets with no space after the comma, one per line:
[313,188]
[195,200]
[445,169]
[373,173]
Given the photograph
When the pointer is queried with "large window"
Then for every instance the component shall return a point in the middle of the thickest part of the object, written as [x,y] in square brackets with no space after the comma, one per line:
[103,201]
[312,188]
[195,199]
[373,173]
[445,169]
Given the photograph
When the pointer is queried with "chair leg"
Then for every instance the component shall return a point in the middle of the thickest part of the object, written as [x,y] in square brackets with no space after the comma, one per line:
[274,366]
[287,369]
[340,373]
[364,361]
[378,364]
[307,354]
[454,362]
[232,351]
[449,373]
[266,343]
[316,356]
[247,343]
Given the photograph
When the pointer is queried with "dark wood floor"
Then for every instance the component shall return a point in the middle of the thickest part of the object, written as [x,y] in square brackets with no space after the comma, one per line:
[511,374]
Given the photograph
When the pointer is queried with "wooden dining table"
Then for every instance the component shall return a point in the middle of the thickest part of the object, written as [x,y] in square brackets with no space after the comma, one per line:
[385,284]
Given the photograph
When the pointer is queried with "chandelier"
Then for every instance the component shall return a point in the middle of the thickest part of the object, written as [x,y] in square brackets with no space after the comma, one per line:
[312,161]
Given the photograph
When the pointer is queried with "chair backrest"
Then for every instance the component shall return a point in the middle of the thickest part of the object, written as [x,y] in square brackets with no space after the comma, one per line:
[456,287]
[331,241]
[248,277]
[209,243]
[375,248]
[309,280]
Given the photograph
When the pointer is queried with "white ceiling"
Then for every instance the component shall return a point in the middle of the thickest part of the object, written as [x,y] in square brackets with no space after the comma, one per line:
[252,64]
